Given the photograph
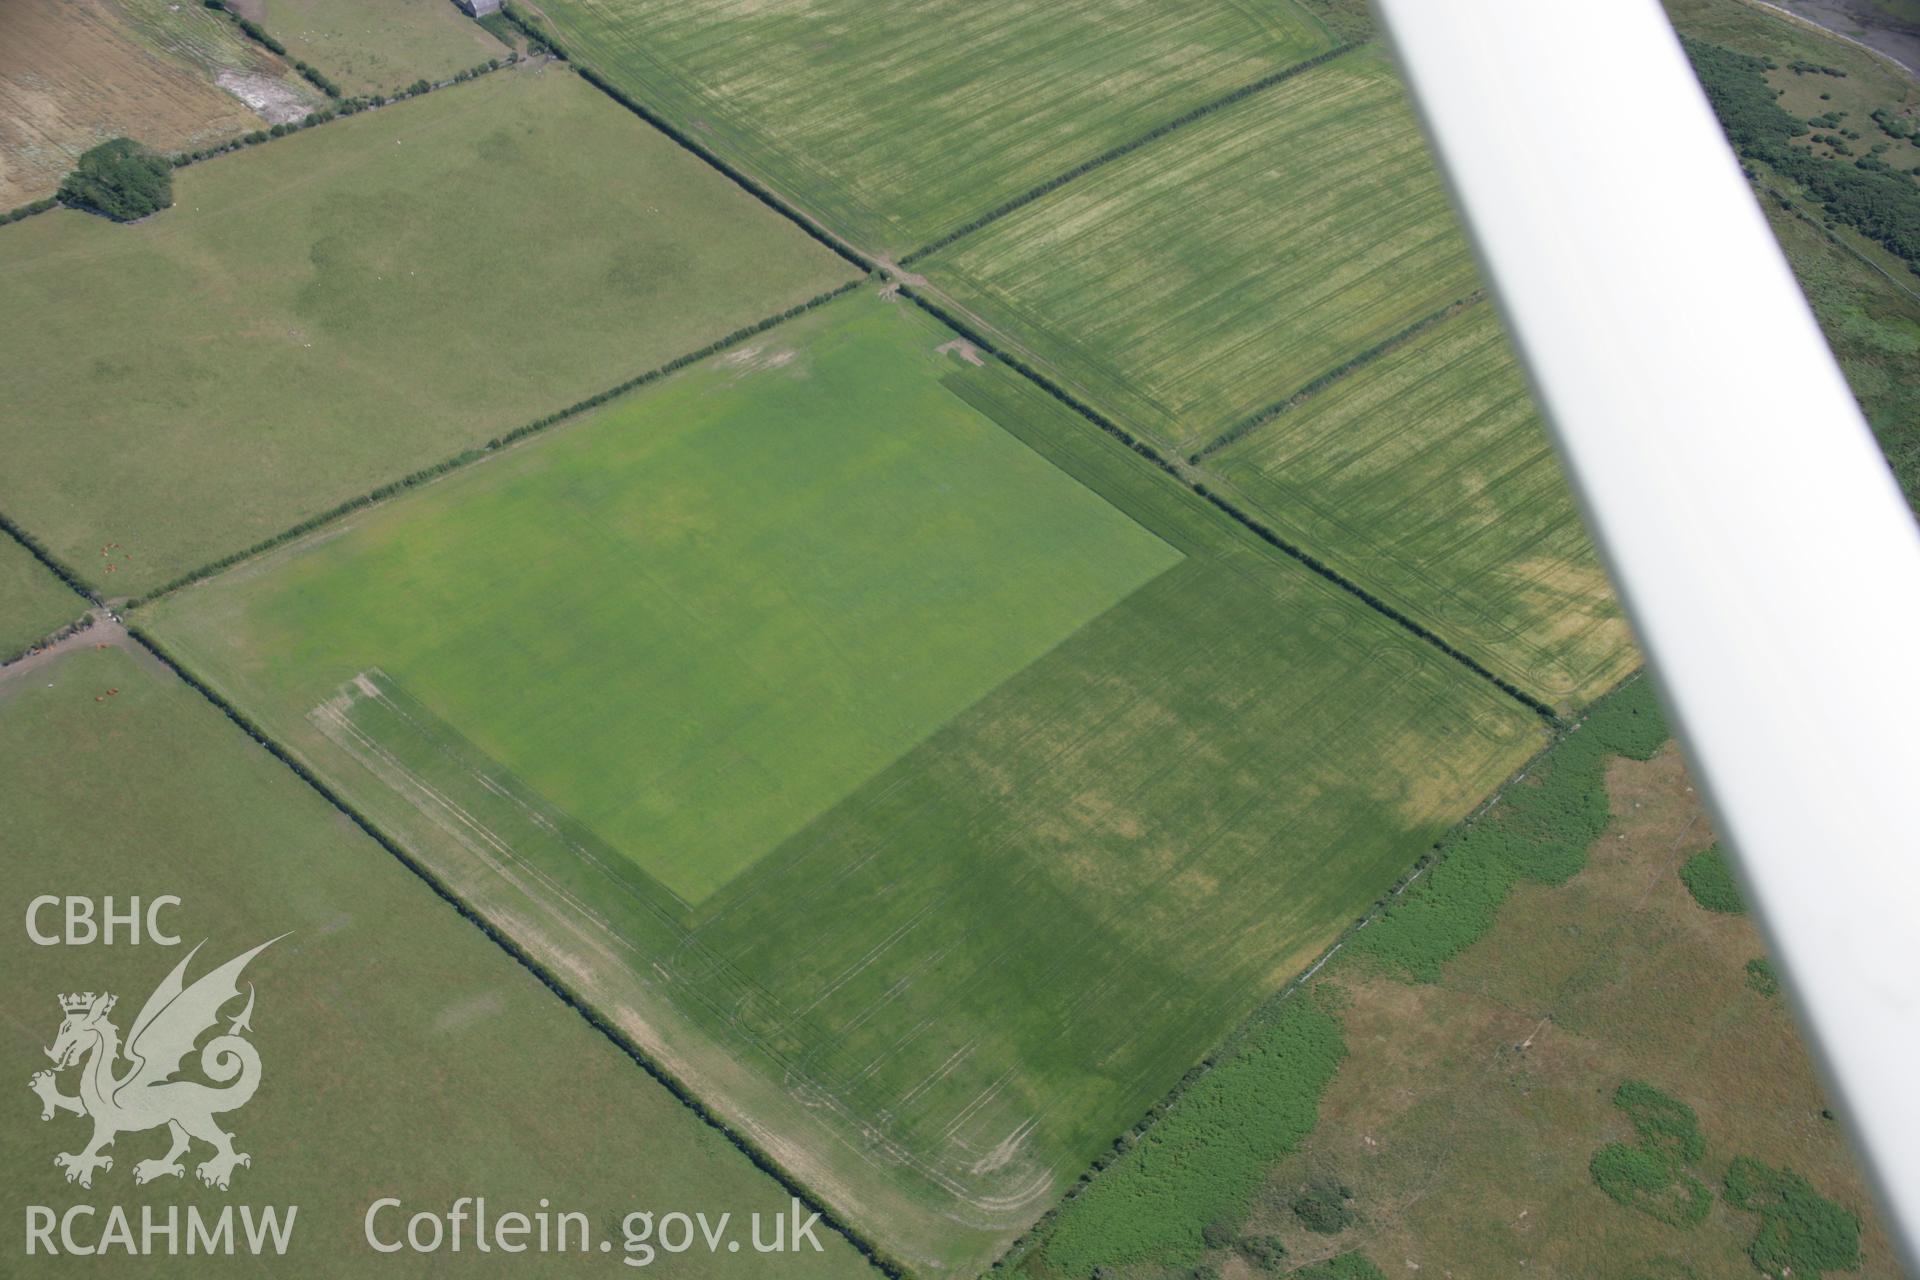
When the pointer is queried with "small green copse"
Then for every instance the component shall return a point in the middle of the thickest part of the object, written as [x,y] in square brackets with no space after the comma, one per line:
[120,179]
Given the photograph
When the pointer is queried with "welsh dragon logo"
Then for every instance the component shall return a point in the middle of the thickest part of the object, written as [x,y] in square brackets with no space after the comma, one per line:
[144,1095]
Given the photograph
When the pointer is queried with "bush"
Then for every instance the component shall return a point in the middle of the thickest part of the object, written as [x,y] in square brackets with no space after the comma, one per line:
[1322,1207]
[1265,1252]
[1762,978]
[1801,1232]
[1710,880]
[1217,1234]
[120,179]
[1666,1125]
[1649,1175]
[1639,1178]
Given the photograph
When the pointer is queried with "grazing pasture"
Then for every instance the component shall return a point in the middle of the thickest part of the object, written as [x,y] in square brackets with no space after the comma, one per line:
[1213,273]
[74,73]
[376,46]
[33,603]
[323,314]
[1108,768]
[896,124]
[1428,476]
[403,1053]
[1469,1117]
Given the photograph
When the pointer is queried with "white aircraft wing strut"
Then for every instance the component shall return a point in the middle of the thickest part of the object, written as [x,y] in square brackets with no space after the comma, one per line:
[1765,556]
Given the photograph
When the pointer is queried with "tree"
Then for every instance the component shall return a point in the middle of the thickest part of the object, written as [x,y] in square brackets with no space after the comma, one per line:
[120,179]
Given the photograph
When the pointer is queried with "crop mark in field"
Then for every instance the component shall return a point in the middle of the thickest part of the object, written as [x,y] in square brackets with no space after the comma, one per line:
[516,835]
[1321,382]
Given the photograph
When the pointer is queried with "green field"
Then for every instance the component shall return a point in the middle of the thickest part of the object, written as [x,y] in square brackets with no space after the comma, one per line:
[896,124]
[1212,274]
[1428,476]
[812,557]
[376,46]
[986,954]
[33,603]
[322,314]
[403,1054]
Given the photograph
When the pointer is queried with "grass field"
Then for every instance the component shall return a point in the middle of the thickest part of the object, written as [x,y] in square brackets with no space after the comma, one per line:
[1215,272]
[33,603]
[306,323]
[403,1053]
[74,73]
[1428,476]
[895,124]
[815,557]
[947,991]
[376,46]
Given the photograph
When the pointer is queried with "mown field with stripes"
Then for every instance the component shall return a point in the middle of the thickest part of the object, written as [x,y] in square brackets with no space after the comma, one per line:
[1428,473]
[1211,274]
[896,124]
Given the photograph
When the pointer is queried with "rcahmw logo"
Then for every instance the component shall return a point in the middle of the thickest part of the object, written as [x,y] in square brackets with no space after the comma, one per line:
[130,1086]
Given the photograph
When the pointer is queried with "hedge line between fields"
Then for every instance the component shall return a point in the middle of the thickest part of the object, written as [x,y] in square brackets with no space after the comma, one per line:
[1253,526]
[1126,148]
[534,32]
[881,1260]
[342,108]
[53,563]
[1322,382]
[466,456]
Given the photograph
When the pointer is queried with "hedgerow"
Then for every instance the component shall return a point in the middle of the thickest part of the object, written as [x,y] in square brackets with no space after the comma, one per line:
[465,456]
[1710,880]
[1203,1160]
[1540,830]
[1802,1233]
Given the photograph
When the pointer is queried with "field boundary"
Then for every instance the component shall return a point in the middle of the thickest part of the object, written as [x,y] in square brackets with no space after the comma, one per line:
[873,1254]
[53,563]
[1017,1252]
[1258,530]
[1108,156]
[765,195]
[339,109]
[467,456]
[1320,383]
